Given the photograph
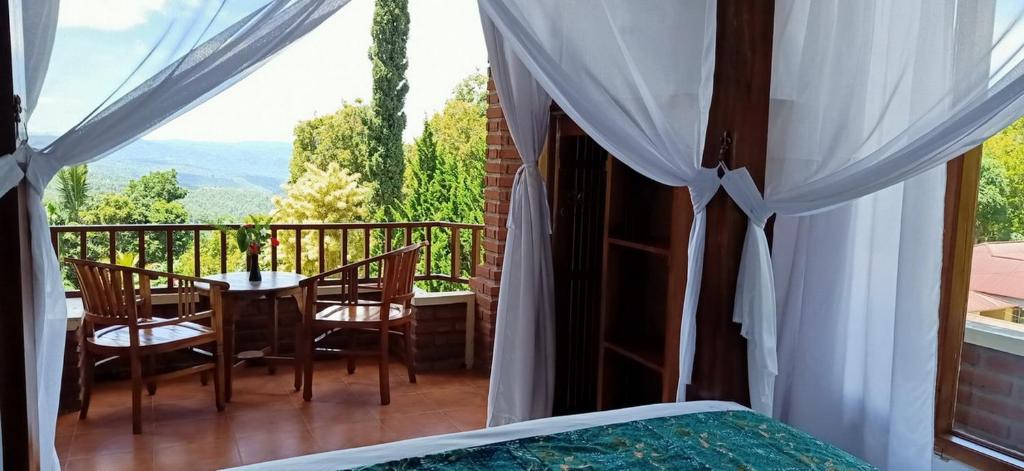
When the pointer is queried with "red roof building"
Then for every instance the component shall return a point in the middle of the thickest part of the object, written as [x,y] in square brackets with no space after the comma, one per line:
[997,269]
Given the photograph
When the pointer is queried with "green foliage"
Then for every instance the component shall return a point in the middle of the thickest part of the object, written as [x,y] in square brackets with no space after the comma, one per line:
[390,32]
[73,193]
[447,172]
[156,186]
[1000,213]
[318,196]
[339,137]
[153,198]
[252,235]
[994,212]
[472,89]
[209,256]
[208,204]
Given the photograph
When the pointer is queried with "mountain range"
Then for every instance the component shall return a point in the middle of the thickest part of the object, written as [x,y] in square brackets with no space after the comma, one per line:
[224,179]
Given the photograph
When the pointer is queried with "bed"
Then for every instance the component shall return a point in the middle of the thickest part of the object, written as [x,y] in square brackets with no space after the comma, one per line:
[692,435]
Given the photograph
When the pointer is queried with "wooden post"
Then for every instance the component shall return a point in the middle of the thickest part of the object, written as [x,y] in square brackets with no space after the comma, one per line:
[739,107]
[20,451]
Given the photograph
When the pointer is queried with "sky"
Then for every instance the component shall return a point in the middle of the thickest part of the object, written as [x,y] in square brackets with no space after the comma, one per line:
[100,42]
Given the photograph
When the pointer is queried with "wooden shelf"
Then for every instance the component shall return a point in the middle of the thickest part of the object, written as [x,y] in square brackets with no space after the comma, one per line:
[649,248]
[650,359]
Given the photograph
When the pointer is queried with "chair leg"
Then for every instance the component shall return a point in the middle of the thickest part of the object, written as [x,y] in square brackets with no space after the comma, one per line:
[136,369]
[307,363]
[297,363]
[271,367]
[410,357]
[385,386]
[86,364]
[150,371]
[218,376]
[204,378]
[350,360]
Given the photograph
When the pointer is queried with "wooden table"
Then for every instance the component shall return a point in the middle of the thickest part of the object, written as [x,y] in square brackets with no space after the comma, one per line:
[274,285]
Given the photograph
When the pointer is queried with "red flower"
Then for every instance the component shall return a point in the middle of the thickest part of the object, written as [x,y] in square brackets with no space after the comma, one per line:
[274,242]
[254,248]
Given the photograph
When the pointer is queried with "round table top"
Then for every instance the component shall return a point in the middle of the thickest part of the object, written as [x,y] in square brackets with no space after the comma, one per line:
[272,281]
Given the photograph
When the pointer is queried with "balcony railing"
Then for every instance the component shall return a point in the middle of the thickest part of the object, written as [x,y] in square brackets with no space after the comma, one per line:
[453,253]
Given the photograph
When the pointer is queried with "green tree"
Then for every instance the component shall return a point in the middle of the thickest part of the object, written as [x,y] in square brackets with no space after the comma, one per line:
[390,33]
[994,213]
[472,89]
[72,193]
[338,137]
[330,195]
[421,187]
[1004,159]
[154,198]
[156,186]
[447,177]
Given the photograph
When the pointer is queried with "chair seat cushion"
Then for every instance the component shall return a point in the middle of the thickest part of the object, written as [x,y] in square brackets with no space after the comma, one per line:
[360,313]
[119,336]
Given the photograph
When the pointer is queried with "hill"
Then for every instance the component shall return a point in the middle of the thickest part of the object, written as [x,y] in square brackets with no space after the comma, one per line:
[224,179]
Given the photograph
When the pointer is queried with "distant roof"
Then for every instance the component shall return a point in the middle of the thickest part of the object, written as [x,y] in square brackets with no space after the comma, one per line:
[997,268]
[980,302]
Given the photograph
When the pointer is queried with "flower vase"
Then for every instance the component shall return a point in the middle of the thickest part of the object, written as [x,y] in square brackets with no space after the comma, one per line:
[254,267]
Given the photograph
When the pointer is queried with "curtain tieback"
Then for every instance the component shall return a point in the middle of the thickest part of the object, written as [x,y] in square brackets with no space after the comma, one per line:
[519,191]
[704,187]
[12,167]
[742,189]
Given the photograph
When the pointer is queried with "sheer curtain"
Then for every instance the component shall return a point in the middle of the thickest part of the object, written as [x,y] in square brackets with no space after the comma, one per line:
[918,84]
[523,370]
[638,81]
[209,67]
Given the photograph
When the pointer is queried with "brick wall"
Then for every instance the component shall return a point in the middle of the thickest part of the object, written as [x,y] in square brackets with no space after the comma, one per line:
[502,163]
[990,395]
[440,332]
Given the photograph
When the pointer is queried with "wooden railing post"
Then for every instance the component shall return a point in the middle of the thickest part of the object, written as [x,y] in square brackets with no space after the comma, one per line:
[298,250]
[112,246]
[170,256]
[456,272]
[195,252]
[273,250]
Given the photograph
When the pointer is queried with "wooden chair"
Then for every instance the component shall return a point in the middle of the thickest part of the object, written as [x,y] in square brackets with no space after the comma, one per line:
[118,322]
[325,317]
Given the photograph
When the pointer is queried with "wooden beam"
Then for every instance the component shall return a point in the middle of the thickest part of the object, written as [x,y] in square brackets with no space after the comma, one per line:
[739,107]
[19,450]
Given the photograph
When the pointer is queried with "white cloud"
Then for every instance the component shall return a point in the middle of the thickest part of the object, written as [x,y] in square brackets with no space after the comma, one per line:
[110,15]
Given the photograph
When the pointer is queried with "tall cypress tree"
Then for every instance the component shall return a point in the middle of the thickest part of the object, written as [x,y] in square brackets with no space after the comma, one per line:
[390,34]
[421,201]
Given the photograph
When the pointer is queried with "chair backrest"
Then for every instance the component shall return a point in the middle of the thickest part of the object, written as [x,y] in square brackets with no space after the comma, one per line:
[120,295]
[108,292]
[399,274]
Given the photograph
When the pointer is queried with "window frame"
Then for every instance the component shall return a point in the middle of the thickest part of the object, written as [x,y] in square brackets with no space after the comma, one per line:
[961,199]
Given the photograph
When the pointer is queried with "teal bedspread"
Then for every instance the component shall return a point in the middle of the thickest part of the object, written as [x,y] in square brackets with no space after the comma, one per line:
[732,440]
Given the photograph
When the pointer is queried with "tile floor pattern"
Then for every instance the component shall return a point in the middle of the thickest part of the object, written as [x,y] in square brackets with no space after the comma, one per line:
[266,419]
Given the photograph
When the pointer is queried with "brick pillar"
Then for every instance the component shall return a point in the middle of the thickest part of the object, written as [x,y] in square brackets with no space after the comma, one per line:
[502,163]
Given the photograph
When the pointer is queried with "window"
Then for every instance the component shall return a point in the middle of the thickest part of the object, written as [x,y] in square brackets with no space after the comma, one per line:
[981,349]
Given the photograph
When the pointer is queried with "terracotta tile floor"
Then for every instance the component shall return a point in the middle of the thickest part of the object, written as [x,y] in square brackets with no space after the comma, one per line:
[266,419]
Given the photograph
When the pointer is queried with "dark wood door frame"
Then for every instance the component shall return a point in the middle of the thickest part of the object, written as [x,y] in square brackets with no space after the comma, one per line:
[15,290]
[739,108]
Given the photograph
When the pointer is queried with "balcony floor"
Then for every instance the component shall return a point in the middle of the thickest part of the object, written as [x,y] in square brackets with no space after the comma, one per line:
[266,419]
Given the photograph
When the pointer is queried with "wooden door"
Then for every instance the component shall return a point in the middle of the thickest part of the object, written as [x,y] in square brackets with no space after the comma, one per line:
[578,195]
